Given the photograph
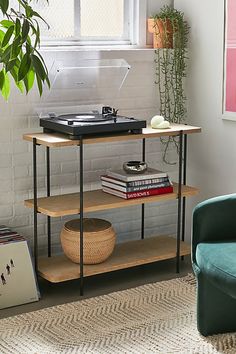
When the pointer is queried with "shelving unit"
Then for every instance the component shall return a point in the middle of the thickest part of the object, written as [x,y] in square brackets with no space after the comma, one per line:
[128,254]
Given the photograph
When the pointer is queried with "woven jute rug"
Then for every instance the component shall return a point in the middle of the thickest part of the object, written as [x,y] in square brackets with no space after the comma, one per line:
[155,318]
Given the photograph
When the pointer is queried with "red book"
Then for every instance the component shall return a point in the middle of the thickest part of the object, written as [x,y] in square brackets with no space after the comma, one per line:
[140,194]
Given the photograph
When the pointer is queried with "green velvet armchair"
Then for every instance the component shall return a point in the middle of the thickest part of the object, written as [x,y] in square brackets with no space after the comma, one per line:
[214,264]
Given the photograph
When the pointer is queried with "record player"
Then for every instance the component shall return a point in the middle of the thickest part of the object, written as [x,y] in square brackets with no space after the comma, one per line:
[89,83]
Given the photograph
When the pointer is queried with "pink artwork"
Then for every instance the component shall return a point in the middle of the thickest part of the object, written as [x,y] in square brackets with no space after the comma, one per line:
[230,57]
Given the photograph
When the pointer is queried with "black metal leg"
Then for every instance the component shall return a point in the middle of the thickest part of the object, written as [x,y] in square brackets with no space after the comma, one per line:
[48,195]
[179,200]
[81,219]
[143,205]
[184,182]
[35,205]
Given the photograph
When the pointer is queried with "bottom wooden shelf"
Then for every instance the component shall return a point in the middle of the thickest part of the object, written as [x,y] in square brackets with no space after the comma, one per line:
[129,254]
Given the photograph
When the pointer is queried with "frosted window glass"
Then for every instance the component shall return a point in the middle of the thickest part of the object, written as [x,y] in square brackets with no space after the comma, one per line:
[59,14]
[102,18]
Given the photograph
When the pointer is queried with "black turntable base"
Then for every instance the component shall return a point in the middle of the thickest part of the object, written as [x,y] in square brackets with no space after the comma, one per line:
[76,125]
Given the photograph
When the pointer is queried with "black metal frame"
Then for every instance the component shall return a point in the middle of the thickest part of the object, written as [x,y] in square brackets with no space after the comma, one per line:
[143,205]
[35,191]
[181,202]
[81,217]
[48,195]
[184,183]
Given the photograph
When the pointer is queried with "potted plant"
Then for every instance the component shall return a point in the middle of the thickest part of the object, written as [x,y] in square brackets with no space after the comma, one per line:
[19,42]
[170,38]
[162,30]
[168,28]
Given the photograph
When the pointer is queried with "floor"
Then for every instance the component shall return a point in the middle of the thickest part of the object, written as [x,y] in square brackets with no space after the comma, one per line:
[61,293]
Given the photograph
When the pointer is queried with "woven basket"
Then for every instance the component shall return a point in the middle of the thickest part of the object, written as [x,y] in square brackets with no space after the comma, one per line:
[99,240]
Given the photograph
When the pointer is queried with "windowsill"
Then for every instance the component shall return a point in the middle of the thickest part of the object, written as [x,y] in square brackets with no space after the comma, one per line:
[48,48]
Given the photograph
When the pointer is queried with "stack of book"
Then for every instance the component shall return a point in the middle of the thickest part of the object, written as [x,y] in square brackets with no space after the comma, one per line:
[7,236]
[129,186]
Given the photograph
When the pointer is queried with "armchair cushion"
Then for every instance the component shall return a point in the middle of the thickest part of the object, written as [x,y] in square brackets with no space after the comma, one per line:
[217,261]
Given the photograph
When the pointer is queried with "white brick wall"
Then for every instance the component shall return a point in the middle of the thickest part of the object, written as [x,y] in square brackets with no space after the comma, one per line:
[138,98]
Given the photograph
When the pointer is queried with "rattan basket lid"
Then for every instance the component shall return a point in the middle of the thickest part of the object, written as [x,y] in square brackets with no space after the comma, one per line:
[90,225]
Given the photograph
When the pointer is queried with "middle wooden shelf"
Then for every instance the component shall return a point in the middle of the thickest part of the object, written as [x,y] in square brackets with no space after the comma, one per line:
[69,204]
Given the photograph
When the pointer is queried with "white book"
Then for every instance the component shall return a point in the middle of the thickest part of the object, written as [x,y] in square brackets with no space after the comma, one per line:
[127,177]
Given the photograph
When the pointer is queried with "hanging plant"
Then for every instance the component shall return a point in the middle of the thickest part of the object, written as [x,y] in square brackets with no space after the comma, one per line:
[19,43]
[170,32]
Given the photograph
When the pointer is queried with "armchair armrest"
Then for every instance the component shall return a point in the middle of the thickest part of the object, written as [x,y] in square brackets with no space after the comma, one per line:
[214,220]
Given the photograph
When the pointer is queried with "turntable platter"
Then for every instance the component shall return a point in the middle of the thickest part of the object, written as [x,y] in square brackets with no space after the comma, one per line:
[83,118]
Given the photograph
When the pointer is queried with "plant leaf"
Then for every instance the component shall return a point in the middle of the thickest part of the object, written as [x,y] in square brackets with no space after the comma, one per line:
[25,30]
[42,60]
[24,66]
[29,80]
[6,86]
[6,23]
[2,34]
[48,82]
[10,64]
[14,74]
[36,32]
[4,4]
[2,79]
[16,47]
[38,66]
[20,86]
[17,27]
[40,86]
[29,11]
[6,54]
[29,48]
[7,36]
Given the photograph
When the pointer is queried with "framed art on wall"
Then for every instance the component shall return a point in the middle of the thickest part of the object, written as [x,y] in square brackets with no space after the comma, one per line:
[229,94]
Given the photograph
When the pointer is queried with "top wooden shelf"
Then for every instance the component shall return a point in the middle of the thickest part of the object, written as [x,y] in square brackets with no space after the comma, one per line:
[60,140]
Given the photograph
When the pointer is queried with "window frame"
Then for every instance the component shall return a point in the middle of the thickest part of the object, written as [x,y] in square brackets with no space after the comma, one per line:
[134,33]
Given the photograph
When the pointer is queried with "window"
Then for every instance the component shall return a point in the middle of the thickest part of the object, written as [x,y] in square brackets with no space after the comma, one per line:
[89,21]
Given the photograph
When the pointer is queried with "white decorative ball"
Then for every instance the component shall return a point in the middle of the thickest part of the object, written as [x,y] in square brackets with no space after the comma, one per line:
[156,120]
